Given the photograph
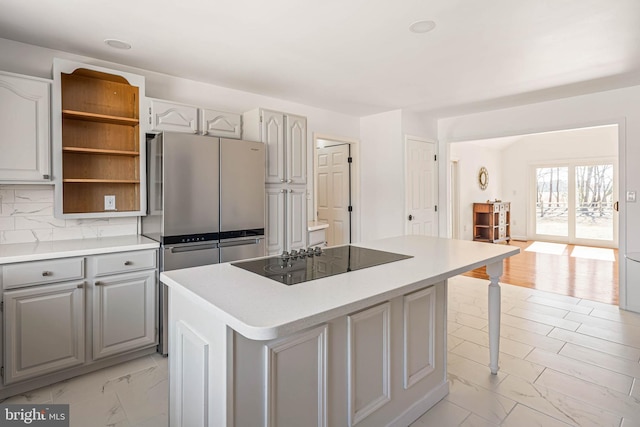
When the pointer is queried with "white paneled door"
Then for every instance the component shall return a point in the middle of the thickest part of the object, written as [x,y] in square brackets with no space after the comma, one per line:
[333,192]
[421,187]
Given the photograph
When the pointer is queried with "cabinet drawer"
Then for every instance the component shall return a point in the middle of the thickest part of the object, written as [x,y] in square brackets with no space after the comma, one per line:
[124,262]
[35,273]
[317,237]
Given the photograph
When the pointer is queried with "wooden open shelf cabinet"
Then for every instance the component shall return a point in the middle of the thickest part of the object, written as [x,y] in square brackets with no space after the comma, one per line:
[491,222]
[100,143]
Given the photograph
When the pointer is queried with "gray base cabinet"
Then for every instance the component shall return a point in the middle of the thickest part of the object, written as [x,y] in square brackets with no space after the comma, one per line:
[66,316]
[123,313]
[44,330]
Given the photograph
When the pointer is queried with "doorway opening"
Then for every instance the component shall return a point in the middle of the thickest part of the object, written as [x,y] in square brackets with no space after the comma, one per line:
[336,191]
[563,189]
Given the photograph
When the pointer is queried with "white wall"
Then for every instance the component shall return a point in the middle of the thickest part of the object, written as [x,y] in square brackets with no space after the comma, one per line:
[381,175]
[519,159]
[382,169]
[471,158]
[36,61]
[611,107]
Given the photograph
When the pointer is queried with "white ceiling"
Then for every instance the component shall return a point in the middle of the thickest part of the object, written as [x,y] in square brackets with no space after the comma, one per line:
[356,56]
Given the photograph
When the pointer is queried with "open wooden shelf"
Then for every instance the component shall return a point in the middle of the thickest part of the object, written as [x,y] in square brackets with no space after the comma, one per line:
[100,142]
[101,118]
[94,181]
[82,150]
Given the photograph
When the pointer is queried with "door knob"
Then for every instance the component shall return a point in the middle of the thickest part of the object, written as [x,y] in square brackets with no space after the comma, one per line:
[410,217]
[616,206]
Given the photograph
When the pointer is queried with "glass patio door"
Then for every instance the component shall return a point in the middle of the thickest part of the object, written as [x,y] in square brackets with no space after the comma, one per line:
[594,202]
[574,203]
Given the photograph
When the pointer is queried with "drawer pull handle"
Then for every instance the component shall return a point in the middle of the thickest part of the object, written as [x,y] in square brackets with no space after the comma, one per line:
[81,285]
[47,273]
[98,283]
[128,263]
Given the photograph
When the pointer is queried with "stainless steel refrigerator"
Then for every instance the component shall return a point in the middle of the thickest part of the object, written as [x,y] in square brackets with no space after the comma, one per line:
[206,203]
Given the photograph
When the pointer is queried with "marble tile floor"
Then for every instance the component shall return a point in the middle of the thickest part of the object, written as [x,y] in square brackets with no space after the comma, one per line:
[564,362]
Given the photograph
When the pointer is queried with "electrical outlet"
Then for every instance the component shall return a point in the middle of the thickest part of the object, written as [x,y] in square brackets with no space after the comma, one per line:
[109,203]
[631,196]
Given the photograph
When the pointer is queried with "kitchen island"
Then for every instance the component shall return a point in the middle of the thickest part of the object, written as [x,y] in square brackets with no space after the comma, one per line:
[366,347]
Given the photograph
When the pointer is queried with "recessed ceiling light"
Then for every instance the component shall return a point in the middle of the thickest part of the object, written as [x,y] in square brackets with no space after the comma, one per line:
[422,26]
[118,44]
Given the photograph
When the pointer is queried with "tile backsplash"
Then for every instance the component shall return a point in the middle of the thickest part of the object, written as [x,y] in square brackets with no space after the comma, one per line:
[26,215]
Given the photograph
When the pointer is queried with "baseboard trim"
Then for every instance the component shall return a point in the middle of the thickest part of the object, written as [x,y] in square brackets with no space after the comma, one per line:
[421,406]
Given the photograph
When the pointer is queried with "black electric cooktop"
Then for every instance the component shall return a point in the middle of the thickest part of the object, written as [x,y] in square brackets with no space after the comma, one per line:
[297,267]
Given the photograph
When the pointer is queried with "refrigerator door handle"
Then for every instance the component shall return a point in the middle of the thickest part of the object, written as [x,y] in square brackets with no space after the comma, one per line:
[178,249]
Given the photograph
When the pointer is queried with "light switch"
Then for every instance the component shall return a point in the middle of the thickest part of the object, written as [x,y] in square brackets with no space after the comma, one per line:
[631,196]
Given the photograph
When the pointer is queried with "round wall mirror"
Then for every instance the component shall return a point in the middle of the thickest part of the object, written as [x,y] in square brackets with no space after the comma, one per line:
[483,178]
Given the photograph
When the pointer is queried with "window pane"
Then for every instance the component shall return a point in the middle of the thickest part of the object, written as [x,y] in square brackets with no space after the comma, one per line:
[552,201]
[594,202]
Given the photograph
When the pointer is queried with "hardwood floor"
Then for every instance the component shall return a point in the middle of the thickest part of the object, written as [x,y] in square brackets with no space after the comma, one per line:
[577,271]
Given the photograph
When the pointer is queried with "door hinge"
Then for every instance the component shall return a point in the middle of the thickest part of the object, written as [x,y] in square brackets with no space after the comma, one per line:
[2,371]
[350,208]
[436,208]
[1,305]
[435,157]
[349,159]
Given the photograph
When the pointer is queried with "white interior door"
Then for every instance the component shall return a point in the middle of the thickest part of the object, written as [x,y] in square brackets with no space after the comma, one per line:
[333,192]
[421,187]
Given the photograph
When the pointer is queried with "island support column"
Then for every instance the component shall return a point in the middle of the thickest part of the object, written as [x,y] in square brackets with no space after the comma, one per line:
[494,271]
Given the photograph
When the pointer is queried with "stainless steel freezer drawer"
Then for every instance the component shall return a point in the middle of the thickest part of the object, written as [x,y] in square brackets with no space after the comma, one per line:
[189,255]
[242,249]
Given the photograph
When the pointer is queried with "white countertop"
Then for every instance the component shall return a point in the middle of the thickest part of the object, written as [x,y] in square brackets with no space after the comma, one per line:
[317,225]
[21,252]
[261,308]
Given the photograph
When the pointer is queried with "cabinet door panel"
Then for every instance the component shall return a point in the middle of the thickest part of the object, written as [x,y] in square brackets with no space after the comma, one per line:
[173,117]
[368,365]
[123,313]
[274,204]
[273,136]
[296,150]
[24,129]
[44,330]
[296,379]
[219,123]
[296,221]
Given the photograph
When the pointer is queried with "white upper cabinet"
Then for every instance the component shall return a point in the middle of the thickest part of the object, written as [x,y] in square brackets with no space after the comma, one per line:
[286,138]
[296,149]
[220,123]
[272,131]
[171,116]
[24,129]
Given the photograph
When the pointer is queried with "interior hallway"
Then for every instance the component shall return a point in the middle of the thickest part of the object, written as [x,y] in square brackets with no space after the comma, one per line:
[578,271]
